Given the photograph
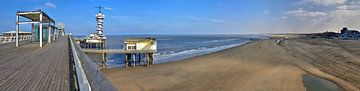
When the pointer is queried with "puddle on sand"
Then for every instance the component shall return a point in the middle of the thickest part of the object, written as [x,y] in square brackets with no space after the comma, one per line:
[313,83]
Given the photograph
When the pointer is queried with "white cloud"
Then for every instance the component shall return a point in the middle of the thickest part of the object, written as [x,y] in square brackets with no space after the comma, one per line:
[348,7]
[325,2]
[303,13]
[284,17]
[267,11]
[108,8]
[205,19]
[324,16]
[50,5]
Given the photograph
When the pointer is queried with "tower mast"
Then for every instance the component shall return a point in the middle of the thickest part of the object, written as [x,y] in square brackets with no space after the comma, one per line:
[99,7]
[100,20]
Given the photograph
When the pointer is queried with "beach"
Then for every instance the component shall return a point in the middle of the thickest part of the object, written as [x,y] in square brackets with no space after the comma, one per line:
[263,65]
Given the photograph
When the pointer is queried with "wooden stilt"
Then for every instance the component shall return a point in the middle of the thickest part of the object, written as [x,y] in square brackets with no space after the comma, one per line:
[147,60]
[103,46]
[105,57]
[103,61]
[151,58]
[139,58]
[134,60]
[126,60]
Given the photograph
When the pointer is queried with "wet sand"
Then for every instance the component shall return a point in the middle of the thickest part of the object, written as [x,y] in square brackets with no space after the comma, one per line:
[261,65]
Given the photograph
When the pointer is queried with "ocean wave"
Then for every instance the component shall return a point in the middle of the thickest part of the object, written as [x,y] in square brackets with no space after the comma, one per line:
[175,56]
[213,41]
[223,40]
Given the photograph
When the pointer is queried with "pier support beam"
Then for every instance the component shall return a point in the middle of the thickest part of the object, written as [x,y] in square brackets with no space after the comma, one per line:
[49,34]
[40,30]
[147,60]
[17,30]
[134,59]
[103,61]
[130,57]
[55,32]
[140,61]
[126,60]
[151,58]
[33,33]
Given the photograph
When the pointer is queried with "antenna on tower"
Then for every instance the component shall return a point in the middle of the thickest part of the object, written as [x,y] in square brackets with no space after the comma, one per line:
[99,7]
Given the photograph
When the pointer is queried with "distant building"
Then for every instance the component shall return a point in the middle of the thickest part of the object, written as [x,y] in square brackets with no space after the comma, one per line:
[95,40]
[349,34]
[326,35]
[10,36]
[140,44]
[286,36]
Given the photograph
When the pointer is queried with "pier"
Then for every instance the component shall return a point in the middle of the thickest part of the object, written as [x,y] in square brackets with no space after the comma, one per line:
[46,59]
[50,68]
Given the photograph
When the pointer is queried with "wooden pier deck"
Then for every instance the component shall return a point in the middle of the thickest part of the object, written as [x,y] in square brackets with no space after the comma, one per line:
[28,67]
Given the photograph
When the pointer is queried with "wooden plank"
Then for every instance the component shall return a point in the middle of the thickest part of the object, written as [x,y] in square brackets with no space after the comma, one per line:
[28,67]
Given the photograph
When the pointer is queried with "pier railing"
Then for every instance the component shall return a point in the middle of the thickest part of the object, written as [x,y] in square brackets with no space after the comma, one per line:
[82,81]
[89,76]
[10,42]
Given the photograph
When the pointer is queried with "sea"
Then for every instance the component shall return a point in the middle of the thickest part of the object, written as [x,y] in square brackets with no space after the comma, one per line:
[178,47]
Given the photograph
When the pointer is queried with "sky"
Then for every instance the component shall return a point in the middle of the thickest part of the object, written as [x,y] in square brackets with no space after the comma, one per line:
[123,17]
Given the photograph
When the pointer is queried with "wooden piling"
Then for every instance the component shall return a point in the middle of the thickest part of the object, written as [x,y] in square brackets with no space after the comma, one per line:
[132,57]
[126,60]
[151,56]
[103,61]
[139,58]
[147,60]
[134,60]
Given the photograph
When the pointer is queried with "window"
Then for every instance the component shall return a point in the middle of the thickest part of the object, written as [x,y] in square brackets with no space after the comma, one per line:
[131,48]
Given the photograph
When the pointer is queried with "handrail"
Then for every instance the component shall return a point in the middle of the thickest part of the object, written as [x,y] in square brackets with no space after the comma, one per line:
[13,42]
[82,80]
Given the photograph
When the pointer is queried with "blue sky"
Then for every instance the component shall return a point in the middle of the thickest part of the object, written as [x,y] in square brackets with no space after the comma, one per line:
[191,16]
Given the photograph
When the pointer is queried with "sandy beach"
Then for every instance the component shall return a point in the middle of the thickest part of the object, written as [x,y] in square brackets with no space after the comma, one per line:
[262,65]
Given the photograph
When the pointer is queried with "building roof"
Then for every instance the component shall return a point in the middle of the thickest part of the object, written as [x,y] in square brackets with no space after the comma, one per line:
[15,32]
[135,40]
[35,16]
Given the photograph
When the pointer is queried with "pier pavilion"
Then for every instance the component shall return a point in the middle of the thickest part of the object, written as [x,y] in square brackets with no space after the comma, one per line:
[43,27]
[138,51]
[145,46]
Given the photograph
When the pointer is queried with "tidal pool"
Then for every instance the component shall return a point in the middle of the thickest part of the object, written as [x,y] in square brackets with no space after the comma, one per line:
[313,83]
